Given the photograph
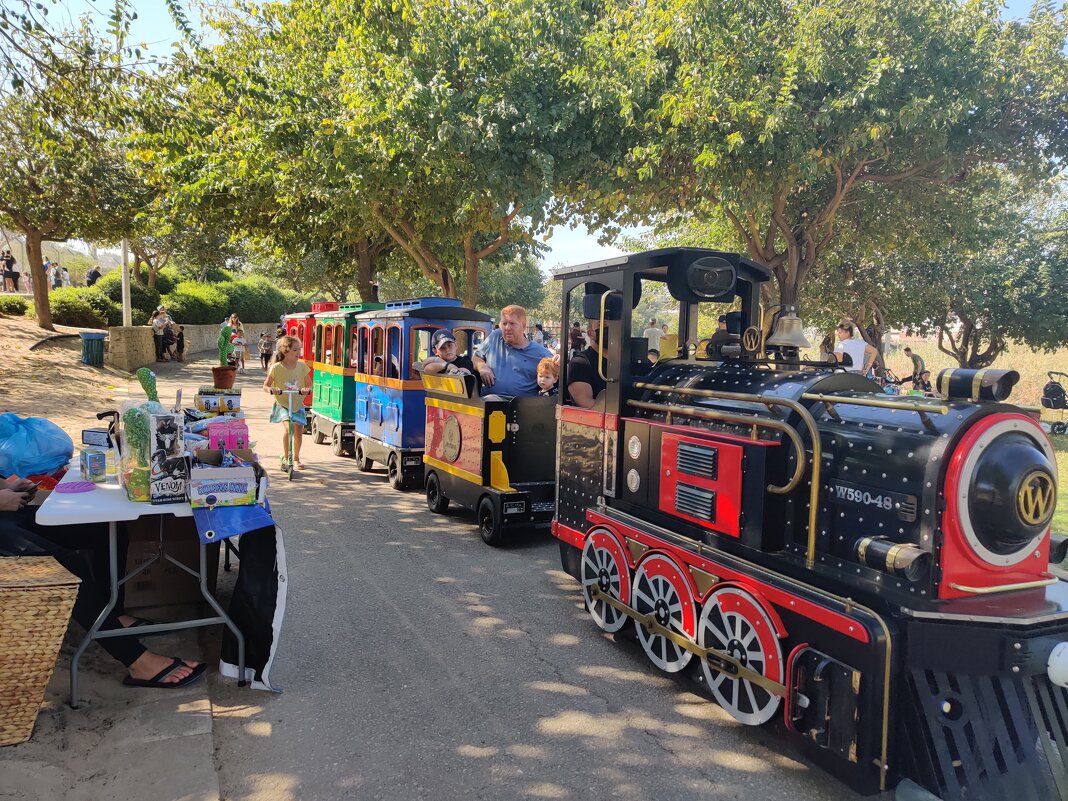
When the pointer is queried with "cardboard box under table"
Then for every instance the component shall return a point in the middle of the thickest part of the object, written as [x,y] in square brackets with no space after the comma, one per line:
[107,503]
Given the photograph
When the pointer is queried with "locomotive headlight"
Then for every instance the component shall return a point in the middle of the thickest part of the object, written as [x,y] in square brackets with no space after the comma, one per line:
[1006,489]
[633,480]
[1057,666]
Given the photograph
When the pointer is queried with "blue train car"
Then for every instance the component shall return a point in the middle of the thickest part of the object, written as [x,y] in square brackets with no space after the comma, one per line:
[390,418]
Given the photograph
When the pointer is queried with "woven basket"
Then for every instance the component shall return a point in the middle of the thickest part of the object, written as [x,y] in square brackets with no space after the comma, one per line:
[36,599]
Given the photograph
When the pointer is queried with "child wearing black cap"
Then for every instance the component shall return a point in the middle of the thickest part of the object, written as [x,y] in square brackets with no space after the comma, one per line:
[445,359]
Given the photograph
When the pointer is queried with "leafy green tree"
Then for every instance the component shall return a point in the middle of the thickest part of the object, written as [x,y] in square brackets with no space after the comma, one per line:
[460,121]
[780,115]
[64,174]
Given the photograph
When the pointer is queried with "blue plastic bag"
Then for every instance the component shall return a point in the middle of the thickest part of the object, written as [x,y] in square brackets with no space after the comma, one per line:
[32,445]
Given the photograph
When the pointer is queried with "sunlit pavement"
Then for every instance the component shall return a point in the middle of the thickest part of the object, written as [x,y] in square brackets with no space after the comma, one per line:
[418,662]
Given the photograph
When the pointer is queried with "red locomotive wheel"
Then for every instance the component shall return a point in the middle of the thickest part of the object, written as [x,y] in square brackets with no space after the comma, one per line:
[661,590]
[734,621]
[604,565]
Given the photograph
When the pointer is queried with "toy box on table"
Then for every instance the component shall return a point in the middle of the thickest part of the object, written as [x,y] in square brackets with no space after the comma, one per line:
[225,478]
[210,399]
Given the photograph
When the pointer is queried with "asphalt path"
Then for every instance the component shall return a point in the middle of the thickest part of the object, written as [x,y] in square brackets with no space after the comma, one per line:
[419,663]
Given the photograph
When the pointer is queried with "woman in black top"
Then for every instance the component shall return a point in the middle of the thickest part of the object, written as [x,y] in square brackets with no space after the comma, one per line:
[11,280]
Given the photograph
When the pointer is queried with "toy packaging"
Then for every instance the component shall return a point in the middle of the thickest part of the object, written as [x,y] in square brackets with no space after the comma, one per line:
[169,470]
[94,465]
[232,434]
[224,478]
[209,399]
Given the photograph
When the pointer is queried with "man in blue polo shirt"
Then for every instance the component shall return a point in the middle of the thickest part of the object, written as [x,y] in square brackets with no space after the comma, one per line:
[507,361]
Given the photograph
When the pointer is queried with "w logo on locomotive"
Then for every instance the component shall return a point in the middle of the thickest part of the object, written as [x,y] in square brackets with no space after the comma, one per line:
[1035,499]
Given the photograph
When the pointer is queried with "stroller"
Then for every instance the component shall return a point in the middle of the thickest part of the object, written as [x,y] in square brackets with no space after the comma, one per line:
[1054,397]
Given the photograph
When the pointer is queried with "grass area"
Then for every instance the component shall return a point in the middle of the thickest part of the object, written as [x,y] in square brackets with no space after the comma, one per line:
[1031,366]
[1060,517]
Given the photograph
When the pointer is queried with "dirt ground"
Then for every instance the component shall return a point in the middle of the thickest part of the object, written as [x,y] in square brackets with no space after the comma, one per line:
[50,380]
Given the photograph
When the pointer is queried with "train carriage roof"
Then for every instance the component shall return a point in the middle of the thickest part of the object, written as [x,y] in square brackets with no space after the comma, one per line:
[659,261]
[425,309]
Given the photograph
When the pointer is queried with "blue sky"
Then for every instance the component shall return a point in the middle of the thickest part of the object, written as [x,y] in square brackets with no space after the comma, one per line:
[155,28]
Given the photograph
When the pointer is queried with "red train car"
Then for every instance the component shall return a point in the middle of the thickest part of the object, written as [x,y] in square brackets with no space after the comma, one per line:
[302,326]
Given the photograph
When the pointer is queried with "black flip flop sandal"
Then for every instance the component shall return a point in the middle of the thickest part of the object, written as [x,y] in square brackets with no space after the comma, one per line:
[157,680]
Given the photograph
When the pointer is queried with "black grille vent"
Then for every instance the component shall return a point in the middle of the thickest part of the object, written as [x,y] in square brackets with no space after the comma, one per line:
[985,738]
[697,460]
[695,502]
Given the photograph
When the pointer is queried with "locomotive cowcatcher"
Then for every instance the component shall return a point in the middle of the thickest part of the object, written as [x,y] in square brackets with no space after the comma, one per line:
[870,574]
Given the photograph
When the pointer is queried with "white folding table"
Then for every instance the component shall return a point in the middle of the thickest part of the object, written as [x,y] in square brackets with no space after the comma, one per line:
[107,503]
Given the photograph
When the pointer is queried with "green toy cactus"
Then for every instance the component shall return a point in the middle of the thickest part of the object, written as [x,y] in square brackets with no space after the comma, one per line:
[148,383]
[136,432]
[225,346]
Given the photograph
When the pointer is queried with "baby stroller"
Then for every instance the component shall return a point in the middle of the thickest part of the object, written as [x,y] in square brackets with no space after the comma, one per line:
[1054,397]
[890,383]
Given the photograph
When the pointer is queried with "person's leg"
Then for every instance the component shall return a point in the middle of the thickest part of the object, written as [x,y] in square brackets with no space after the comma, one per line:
[285,440]
[298,437]
[15,281]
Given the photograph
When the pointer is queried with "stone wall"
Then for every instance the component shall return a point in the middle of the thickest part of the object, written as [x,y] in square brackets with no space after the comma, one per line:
[130,348]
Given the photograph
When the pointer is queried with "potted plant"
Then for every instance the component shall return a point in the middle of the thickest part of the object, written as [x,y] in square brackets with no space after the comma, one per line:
[223,376]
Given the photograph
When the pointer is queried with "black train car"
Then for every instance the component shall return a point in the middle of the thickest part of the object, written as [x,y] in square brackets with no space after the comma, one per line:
[873,572]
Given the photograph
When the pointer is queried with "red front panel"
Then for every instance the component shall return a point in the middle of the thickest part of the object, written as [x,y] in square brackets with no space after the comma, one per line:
[681,491]
[455,438]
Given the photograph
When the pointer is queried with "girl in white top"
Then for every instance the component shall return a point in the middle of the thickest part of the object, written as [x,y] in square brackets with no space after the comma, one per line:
[861,354]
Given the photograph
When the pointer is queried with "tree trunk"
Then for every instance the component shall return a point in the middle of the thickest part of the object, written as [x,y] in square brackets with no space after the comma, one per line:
[365,283]
[471,261]
[137,268]
[40,280]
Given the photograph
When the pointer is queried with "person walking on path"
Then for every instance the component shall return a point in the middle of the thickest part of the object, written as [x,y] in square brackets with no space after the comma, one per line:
[288,372]
[266,348]
[159,321]
[653,334]
[92,276]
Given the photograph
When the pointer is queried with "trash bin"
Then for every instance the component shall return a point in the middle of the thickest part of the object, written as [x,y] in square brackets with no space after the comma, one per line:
[92,348]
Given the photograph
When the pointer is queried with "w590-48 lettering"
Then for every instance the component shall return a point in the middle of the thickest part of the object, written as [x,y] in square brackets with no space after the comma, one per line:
[864,497]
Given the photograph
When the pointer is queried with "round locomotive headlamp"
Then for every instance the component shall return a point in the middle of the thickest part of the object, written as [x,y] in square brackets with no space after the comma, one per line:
[634,447]
[633,480]
[1007,491]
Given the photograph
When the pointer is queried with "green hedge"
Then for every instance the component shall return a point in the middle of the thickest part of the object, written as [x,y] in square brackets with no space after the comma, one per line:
[13,305]
[141,297]
[254,299]
[71,306]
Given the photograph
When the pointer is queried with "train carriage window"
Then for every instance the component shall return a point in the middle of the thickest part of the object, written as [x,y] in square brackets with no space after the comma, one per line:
[364,360]
[378,350]
[318,343]
[328,335]
[339,344]
[354,347]
[393,352]
[467,339]
[420,345]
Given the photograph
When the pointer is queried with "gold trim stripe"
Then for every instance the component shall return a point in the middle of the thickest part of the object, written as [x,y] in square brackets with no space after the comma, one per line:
[466,475]
[452,406]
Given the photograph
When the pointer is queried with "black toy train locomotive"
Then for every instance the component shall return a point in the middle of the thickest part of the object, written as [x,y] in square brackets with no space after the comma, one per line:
[872,571]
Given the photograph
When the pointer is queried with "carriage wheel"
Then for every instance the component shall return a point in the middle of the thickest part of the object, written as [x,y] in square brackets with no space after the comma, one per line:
[604,565]
[734,621]
[435,498]
[396,475]
[363,464]
[660,589]
[490,525]
[335,442]
[318,437]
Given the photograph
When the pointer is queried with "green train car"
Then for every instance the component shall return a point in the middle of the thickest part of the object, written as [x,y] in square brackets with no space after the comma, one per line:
[333,365]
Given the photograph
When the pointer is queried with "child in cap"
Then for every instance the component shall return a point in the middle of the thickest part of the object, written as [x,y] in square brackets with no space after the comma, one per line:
[445,358]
